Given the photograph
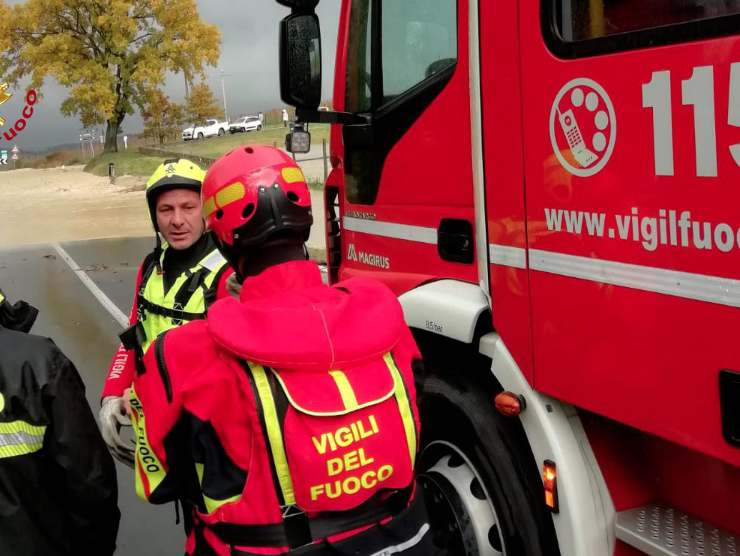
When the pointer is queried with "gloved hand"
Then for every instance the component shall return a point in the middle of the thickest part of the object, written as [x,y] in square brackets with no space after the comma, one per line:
[112,418]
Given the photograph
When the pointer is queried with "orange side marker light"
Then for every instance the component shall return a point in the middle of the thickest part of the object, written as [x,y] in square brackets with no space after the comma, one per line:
[550,483]
[509,404]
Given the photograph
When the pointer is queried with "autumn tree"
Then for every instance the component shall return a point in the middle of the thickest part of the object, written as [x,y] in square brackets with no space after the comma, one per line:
[162,117]
[110,54]
[201,104]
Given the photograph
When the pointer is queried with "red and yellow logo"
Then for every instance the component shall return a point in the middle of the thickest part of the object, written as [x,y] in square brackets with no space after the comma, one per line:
[26,113]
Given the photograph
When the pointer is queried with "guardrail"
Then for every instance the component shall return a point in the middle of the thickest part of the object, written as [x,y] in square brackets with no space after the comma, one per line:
[201,160]
[206,162]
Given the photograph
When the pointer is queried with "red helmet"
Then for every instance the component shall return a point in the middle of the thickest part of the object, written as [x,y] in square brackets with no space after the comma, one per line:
[253,195]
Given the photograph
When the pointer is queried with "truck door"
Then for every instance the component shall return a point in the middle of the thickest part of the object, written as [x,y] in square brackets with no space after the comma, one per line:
[632,161]
[408,203]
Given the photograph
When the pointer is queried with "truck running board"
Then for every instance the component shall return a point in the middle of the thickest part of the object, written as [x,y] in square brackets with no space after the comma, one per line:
[659,530]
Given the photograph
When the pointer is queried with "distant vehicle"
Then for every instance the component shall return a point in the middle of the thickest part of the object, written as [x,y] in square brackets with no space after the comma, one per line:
[246,123]
[208,128]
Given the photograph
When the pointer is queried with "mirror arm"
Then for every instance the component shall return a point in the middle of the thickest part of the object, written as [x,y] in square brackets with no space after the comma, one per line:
[327,117]
[300,6]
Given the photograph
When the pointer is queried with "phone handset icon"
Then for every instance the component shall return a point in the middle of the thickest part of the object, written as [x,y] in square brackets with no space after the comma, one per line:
[577,146]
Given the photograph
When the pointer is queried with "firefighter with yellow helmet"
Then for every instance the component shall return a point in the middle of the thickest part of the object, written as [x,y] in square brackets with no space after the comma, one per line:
[176,284]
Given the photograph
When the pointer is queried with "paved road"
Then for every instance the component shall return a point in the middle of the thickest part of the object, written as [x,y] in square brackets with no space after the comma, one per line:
[87,333]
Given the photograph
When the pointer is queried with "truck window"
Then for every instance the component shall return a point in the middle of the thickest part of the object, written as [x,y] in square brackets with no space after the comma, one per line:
[417,39]
[574,28]
[359,73]
[400,56]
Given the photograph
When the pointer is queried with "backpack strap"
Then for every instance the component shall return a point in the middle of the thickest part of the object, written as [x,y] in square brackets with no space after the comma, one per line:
[320,527]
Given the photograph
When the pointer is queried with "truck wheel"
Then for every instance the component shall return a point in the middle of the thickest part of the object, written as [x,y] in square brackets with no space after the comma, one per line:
[480,481]
[259,128]
[220,132]
[200,135]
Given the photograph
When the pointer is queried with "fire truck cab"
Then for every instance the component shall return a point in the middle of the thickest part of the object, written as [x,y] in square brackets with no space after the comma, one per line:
[551,188]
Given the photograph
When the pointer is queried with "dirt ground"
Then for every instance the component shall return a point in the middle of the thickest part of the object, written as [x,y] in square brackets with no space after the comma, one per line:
[68,204]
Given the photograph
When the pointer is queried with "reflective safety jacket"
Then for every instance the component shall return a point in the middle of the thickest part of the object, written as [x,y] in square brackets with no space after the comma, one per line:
[286,418]
[58,490]
[157,308]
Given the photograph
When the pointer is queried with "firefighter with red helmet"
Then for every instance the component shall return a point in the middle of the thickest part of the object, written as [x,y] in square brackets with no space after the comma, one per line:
[288,416]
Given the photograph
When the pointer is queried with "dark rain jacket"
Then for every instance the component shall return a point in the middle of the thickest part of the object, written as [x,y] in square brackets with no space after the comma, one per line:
[58,491]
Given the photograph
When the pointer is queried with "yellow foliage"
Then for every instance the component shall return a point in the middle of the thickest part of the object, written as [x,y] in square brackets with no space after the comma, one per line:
[201,104]
[162,118]
[110,54]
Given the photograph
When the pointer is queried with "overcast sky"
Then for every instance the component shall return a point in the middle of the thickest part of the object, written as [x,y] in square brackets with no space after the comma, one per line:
[249,57]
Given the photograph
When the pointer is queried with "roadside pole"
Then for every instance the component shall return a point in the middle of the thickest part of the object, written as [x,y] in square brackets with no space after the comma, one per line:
[326,165]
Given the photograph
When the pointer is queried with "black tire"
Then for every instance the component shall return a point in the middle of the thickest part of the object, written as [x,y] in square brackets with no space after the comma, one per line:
[200,135]
[259,128]
[465,442]
[220,131]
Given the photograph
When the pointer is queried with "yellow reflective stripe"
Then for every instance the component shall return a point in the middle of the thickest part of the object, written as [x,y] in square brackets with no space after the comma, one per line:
[2,402]
[19,438]
[2,297]
[274,433]
[211,503]
[345,390]
[230,194]
[209,206]
[404,406]
[147,465]
[307,411]
[293,175]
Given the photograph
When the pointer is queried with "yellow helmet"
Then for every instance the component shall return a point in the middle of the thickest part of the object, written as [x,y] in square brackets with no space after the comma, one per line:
[172,174]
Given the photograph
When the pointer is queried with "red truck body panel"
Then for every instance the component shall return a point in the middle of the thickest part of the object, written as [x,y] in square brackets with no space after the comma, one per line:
[614,268]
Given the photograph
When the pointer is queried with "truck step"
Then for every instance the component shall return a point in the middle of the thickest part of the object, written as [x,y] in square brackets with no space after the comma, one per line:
[659,530]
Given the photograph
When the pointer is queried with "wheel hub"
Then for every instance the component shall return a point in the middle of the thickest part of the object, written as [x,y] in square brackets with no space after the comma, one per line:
[462,515]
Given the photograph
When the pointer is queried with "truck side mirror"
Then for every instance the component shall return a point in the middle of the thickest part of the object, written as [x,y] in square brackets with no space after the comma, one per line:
[300,61]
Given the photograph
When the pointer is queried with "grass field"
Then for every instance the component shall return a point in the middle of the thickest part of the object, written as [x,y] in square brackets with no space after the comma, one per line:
[133,163]
[213,147]
[127,162]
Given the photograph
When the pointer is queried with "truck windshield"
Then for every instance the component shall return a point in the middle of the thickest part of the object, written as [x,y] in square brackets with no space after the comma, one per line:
[417,39]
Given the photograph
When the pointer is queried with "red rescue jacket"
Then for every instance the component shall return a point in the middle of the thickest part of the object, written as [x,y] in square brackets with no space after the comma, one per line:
[297,399]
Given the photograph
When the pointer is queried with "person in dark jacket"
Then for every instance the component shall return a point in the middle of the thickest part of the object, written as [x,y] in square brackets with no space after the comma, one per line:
[58,490]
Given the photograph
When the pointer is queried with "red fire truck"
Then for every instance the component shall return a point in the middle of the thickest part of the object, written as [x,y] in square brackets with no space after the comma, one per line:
[551,187]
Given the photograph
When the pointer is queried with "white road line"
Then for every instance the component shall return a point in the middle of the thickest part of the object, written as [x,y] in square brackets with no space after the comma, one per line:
[105,301]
